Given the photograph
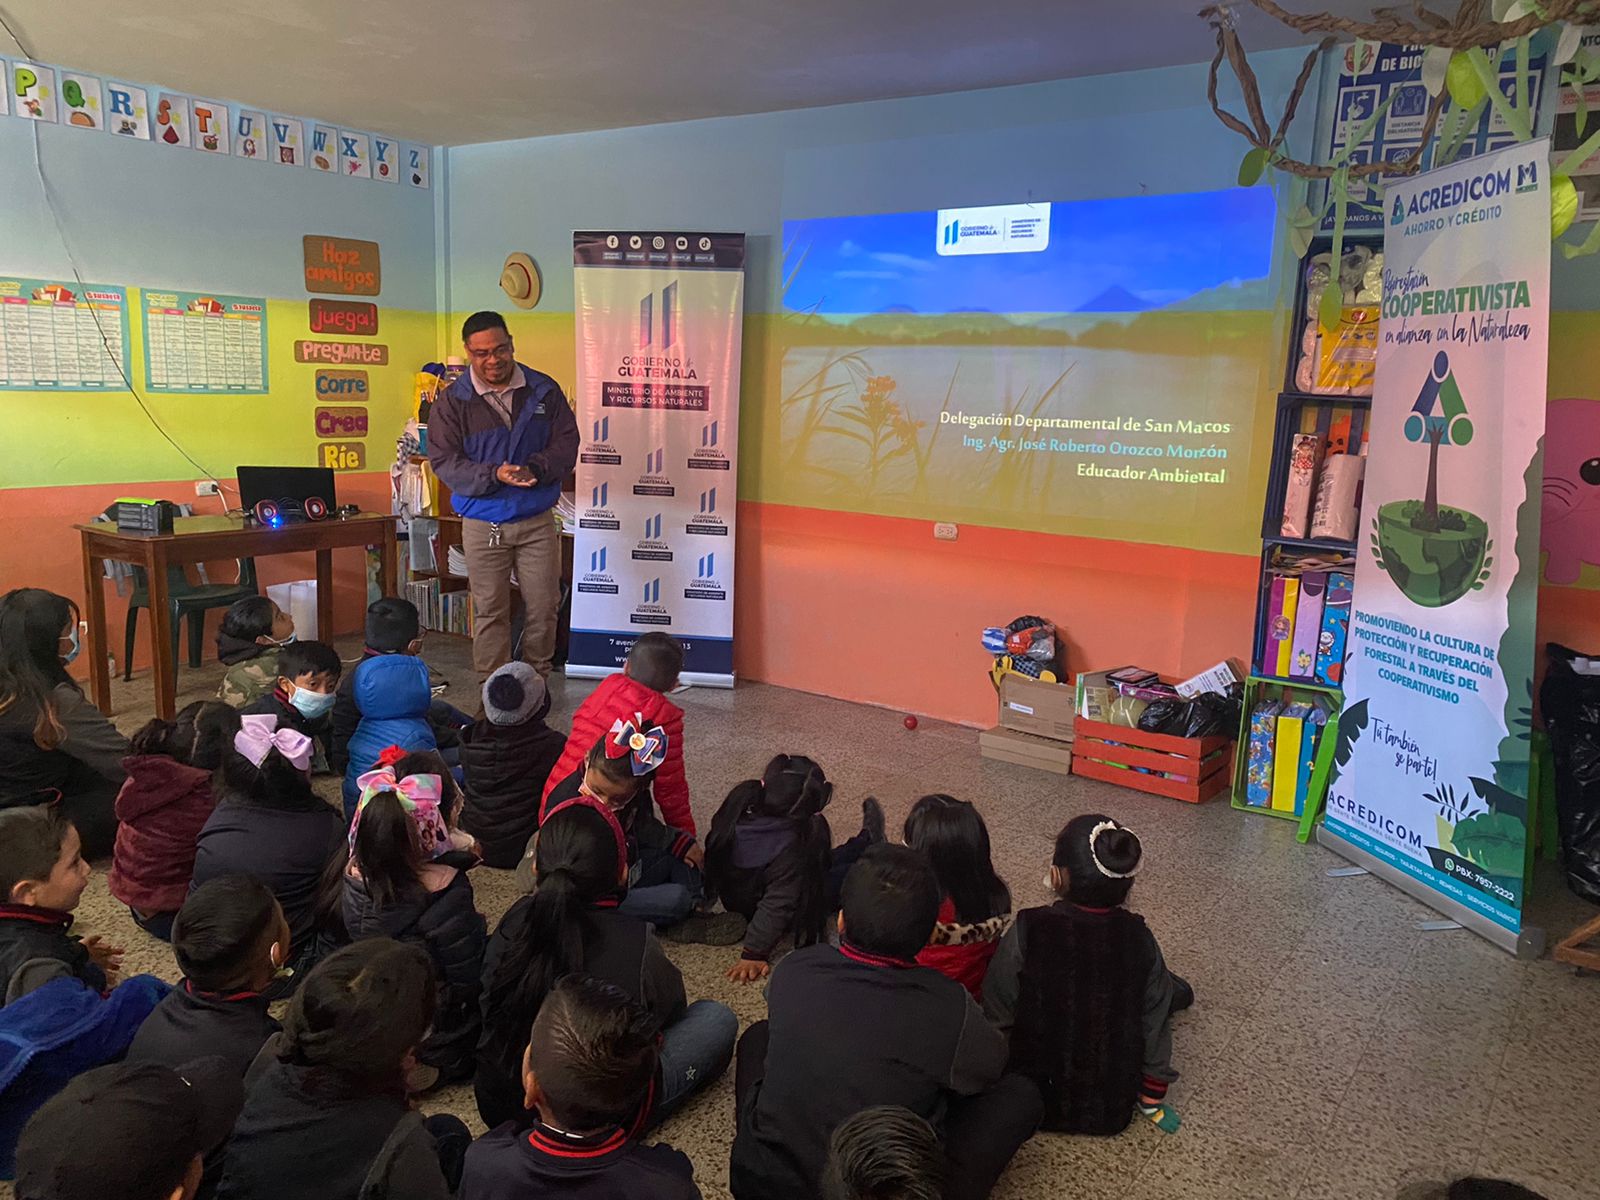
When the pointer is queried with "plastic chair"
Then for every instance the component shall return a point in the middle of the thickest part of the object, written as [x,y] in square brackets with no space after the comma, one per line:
[185,600]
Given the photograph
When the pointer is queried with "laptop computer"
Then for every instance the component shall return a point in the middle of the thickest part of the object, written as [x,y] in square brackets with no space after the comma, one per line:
[287,487]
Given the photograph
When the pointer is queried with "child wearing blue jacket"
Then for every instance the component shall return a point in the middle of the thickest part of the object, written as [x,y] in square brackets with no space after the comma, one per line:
[393,695]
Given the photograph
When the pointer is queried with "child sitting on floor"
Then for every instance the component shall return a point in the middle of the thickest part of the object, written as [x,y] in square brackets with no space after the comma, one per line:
[391,691]
[506,758]
[1084,992]
[407,879]
[42,877]
[585,1071]
[327,1116]
[393,628]
[164,803]
[572,923]
[230,939]
[884,1153]
[664,882]
[974,904]
[253,630]
[770,858]
[860,1024]
[270,824]
[638,692]
[308,676]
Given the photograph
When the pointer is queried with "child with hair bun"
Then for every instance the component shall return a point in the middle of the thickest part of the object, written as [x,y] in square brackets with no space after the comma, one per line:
[1084,992]
[162,807]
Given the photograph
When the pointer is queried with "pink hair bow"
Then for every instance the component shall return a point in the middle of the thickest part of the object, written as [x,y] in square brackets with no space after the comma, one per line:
[419,796]
[259,734]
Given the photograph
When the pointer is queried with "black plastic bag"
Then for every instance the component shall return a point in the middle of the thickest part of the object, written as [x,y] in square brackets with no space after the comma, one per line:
[1208,716]
[1570,703]
[1164,716]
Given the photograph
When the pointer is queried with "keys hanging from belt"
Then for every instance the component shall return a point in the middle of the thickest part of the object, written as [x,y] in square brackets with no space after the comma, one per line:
[494,533]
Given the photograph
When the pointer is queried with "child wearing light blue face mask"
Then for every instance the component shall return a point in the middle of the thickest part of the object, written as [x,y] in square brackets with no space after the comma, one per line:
[308,683]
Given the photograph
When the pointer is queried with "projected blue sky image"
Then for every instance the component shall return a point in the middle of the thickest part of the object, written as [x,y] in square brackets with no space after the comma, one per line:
[1123,255]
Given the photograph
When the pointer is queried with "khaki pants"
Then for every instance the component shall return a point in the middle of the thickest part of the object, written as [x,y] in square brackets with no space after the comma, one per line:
[533,547]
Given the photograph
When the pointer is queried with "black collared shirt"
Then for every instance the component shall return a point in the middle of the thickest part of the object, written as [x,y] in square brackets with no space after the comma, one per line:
[191,1024]
[513,1164]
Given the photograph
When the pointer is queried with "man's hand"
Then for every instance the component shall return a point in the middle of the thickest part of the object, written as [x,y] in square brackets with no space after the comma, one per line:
[514,475]
[748,970]
[107,958]
[695,856]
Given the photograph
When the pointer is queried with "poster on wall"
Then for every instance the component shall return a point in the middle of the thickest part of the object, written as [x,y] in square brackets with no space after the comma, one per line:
[417,166]
[127,111]
[205,343]
[212,128]
[355,155]
[1385,69]
[1439,679]
[172,119]
[62,336]
[82,100]
[659,319]
[323,152]
[288,135]
[33,91]
[385,159]
[250,134]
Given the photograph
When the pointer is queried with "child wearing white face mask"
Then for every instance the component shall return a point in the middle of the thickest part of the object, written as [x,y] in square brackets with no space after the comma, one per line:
[308,683]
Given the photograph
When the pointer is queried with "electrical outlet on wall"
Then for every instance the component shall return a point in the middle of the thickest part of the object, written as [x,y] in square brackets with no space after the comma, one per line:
[205,487]
[944,531]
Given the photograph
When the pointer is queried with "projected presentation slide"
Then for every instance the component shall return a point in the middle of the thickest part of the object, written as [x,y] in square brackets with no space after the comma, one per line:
[1096,368]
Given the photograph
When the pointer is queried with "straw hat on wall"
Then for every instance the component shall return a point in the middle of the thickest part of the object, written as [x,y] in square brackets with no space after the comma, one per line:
[519,280]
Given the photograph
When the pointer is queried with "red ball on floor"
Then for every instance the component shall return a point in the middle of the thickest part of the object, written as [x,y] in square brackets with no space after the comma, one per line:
[911,722]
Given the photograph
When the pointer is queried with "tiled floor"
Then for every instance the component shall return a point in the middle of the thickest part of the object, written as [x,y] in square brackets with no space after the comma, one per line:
[1335,1050]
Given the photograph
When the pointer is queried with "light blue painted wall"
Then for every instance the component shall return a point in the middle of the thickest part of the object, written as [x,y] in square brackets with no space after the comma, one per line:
[1113,135]
[149,215]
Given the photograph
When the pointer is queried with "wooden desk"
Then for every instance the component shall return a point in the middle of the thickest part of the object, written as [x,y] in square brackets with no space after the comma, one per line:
[210,539]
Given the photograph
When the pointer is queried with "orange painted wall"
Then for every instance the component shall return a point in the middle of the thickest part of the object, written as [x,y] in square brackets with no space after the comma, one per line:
[873,609]
[39,548]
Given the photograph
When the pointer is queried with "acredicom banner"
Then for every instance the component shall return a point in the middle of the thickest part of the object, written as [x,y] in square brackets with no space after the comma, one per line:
[1438,691]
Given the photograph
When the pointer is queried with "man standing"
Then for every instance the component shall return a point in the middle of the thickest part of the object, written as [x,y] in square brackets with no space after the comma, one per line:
[503,438]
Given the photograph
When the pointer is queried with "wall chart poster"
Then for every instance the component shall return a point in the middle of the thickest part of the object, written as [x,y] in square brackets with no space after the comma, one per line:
[1439,682]
[203,342]
[62,336]
[659,322]
[1385,69]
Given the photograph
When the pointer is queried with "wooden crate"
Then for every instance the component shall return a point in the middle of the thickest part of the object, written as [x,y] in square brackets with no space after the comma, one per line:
[1109,752]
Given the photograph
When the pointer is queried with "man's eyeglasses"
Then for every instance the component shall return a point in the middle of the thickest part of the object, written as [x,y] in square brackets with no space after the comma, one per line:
[502,351]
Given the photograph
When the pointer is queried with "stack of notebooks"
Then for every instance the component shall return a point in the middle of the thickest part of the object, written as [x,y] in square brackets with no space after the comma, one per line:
[1284,739]
[1308,617]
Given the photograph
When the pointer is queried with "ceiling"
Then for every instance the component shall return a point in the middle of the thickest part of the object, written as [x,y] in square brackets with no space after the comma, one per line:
[484,70]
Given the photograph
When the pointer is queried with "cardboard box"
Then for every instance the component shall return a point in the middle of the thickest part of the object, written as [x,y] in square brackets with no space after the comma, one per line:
[1041,709]
[1007,745]
[1215,679]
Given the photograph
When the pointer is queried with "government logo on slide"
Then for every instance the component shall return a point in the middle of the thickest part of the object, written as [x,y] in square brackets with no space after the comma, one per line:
[995,229]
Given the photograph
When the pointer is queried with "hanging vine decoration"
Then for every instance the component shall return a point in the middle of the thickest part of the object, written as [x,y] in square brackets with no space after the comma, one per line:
[1461,65]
